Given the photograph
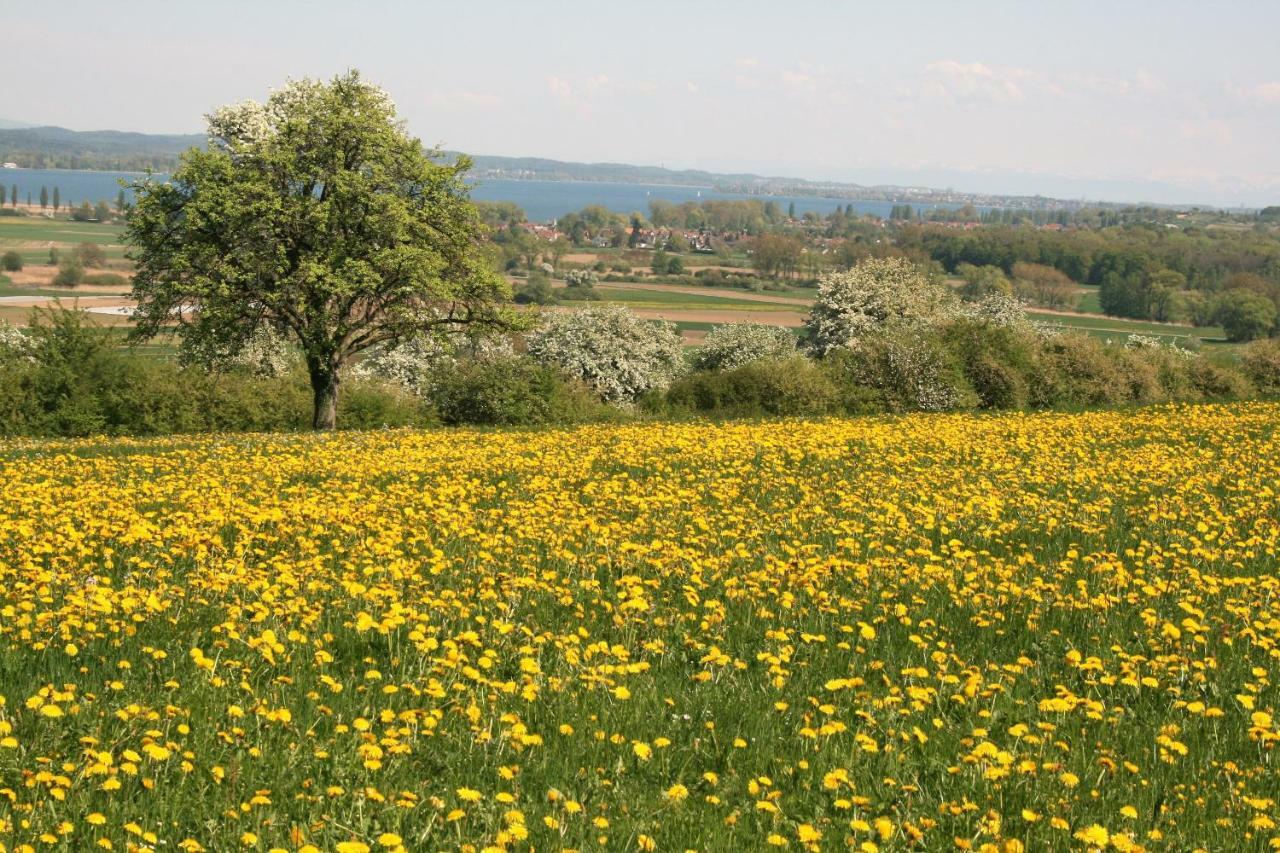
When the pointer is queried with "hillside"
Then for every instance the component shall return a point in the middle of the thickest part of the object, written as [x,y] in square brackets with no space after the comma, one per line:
[113,150]
[108,150]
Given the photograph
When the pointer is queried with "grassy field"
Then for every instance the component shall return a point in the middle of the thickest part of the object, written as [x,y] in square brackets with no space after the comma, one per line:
[21,232]
[929,632]
[1117,328]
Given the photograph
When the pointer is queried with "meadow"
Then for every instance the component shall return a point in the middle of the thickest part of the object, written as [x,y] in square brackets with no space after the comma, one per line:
[1053,631]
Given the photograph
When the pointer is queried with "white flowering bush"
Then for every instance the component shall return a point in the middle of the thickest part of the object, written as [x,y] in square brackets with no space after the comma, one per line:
[418,363]
[998,309]
[1137,341]
[874,294]
[610,349]
[580,278]
[735,344]
[266,352]
[15,344]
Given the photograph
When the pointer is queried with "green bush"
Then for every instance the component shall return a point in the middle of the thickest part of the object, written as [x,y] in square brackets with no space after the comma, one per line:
[108,278]
[996,361]
[901,370]
[70,273]
[370,404]
[11,262]
[81,382]
[1074,371]
[1260,362]
[1216,381]
[783,387]
[514,391]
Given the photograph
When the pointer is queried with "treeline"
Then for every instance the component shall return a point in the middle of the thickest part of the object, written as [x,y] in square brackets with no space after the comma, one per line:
[109,150]
[1185,274]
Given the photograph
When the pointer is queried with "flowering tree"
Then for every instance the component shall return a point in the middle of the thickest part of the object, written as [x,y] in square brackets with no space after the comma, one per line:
[615,352]
[875,293]
[417,363]
[15,345]
[317,215]
[735,344]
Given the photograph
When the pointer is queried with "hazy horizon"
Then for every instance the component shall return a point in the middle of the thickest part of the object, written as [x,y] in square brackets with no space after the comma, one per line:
[1165,102]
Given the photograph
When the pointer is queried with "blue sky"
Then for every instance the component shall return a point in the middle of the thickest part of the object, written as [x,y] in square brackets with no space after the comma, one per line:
[1163,101]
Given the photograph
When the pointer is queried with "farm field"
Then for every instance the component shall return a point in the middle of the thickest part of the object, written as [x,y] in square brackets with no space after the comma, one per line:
[33,236]
[1012,632]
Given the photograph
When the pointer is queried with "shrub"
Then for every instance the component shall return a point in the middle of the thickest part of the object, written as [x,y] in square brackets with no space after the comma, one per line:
[369,404]
[610,349]
[1073,371]
[875,293]
[793,386]
[903,369]
[11,262]
[1216,381]
[15,345]
[1260,362]
[580,278]
[536,291]
[91,255]
[106,278]
[70,273]
[513,391]
[995,358]
[1244,315]
[735,344]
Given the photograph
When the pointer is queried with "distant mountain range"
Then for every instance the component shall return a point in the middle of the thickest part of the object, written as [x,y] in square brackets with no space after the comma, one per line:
[113,150]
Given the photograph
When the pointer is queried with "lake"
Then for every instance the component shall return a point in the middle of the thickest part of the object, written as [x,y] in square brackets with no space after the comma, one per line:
[541,200]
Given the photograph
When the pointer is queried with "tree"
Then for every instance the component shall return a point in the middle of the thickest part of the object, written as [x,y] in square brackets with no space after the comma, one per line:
[101,211]
[57,199]
[120,202]
[44,197]
[1043,285]
[1245,316]
[13,196]
[659,264]
[11,261]
[316,214]
[91,255]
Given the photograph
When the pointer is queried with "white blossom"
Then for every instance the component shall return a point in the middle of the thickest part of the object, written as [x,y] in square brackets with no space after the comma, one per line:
[15,344]
[418,363]
[265,352]
[876,293]
[735,344]
[615,352]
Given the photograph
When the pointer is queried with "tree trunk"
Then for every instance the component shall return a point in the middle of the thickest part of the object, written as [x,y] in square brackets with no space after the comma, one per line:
[324,386]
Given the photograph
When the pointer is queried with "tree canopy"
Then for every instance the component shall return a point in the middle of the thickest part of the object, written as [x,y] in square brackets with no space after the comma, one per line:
[316,214]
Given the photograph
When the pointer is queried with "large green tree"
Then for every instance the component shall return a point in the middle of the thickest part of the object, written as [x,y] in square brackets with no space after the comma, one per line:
[317,214]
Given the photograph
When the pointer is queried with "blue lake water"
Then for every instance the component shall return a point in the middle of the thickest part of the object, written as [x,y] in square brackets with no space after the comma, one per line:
[541,200]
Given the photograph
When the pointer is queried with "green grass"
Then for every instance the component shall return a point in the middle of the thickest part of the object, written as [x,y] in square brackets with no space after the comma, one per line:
[59,231]
[1114,327]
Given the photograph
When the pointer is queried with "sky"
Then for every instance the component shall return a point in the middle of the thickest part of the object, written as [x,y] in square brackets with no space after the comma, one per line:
[1172,102]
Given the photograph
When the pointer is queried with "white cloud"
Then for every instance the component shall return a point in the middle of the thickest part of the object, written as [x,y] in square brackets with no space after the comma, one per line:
[1267,93]
[973,81]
